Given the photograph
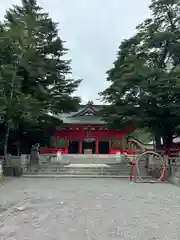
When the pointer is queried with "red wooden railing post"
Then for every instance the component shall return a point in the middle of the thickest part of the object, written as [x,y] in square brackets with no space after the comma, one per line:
[164,175]
[80,146]
[131,172]
[134,168]
[97,146]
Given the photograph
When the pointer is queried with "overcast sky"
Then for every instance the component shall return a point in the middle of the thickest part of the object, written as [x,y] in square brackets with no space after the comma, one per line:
[93,30]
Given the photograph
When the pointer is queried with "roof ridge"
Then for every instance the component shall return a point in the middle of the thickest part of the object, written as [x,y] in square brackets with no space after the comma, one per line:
[85,109]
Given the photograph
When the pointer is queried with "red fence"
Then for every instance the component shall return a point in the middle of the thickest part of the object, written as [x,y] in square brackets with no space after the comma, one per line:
[52,150]
[65,151]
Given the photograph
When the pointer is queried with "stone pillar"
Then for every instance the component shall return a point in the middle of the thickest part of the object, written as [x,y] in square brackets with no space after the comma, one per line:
[97,146]
[1,171]
[80,146]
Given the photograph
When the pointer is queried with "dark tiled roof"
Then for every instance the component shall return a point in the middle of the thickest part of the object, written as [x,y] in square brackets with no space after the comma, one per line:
[87,114]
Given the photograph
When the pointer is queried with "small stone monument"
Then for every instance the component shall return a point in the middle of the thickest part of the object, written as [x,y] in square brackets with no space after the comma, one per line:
[59,156]
[1,171]
[34,156]
[118,157]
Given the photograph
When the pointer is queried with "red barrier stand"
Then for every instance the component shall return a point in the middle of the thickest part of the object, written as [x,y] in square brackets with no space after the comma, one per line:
[133,172]
[164,175]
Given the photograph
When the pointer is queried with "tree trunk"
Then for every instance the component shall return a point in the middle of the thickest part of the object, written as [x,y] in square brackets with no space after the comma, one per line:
[6,137]
[18,150]
[167,142]
[18,147]
[158,141]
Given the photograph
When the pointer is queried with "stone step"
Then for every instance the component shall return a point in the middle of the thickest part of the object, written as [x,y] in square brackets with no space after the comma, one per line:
[83,172]
[80,165]
[82,158]
[73,176]
[79,168]
[69,171]
[82,176]
[80,172]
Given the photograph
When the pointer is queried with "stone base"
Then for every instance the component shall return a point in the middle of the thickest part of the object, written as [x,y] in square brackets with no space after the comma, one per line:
[12,171]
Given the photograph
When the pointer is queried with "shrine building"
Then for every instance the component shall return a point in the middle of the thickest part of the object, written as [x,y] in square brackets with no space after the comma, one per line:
[85,132]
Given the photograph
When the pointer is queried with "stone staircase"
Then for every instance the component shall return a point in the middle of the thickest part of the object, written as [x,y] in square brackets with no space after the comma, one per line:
[82,158]
[78,170]
[81,166]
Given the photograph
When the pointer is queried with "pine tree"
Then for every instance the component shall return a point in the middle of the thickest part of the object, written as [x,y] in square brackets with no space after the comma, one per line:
[46,72]
[34,76]
[14,104]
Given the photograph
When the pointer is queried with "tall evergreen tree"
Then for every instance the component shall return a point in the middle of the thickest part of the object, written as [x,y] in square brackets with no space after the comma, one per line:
[144,82]
[46,72]
[14,104]
[34,75]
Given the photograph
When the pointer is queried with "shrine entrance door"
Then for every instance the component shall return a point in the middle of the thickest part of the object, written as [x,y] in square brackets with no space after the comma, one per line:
[89,146]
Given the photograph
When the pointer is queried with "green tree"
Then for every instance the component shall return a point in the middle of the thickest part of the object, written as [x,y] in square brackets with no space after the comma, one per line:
[144,82]
[142,135]
[34,75]
[46,72]
[14,105]
[29,133]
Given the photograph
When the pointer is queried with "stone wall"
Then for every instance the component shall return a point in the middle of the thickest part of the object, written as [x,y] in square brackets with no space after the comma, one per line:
[175,171]
[175,175]
[1,172]
[16,165]
[13,161]
[52,158]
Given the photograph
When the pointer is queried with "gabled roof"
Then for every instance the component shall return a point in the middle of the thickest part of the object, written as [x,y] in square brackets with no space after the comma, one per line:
[87,110]
[86,114]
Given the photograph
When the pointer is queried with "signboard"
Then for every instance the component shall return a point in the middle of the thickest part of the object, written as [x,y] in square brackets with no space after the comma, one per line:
[89,139]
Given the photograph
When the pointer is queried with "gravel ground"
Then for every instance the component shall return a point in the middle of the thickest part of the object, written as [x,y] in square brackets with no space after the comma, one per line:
[88,209]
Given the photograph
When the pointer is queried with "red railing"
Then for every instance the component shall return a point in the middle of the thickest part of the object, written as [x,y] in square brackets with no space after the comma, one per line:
[53,150]
[65,151]
[122,151]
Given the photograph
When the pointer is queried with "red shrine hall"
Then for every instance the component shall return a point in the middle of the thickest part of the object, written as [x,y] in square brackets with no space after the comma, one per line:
[85,132]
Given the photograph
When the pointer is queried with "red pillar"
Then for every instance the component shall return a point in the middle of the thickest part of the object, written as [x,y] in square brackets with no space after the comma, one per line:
[97,146]
[164,175]
[67,144]
[80,146]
